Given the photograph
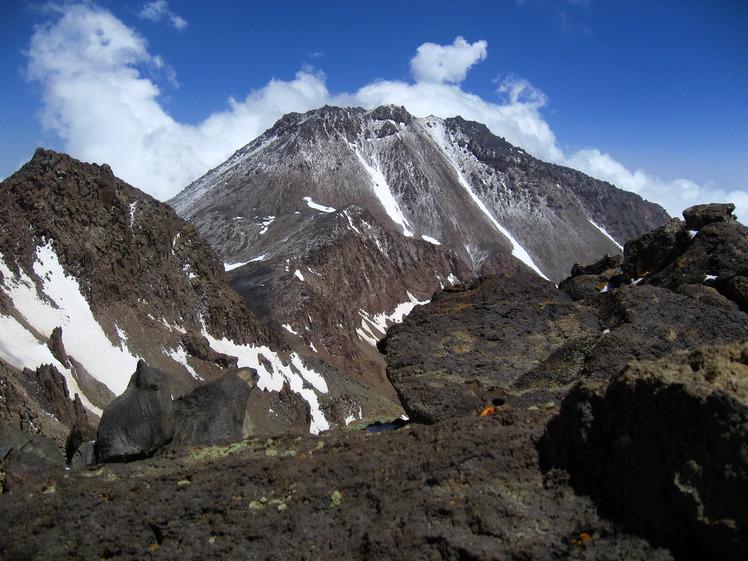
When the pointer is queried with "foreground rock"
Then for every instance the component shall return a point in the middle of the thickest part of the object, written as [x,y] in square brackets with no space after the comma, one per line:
[138,422]
[516,339]
[663,448]
[468,489]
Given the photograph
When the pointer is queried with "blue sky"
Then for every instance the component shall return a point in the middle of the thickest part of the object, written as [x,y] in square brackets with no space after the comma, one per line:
[650,95]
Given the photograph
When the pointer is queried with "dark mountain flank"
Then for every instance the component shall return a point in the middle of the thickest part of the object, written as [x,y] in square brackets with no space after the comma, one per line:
[96,275]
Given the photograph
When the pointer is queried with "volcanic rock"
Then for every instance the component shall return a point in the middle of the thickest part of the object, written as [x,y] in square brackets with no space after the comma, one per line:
[700,215]
[461,352]
[663,448]
[138,422]
[213,413]
[469,488]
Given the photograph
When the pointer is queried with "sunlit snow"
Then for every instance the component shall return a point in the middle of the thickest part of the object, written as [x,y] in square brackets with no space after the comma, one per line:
[384,194]
[316,206]
[272,373]
[605,233]
[374,327]
[431,240]
[61,305]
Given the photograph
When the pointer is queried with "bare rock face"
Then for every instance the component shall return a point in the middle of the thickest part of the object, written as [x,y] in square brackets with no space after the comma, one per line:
[213,413]
[460,353]
[334,221]
[138,422]
[663,448]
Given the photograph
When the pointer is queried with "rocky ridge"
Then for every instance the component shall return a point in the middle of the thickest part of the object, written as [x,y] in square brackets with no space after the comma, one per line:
[107,276]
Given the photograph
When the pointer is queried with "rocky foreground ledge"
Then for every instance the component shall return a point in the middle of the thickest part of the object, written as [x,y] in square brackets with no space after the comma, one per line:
[606,420]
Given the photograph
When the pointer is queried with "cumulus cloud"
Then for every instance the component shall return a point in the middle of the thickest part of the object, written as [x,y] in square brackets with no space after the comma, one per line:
[446,63]
[98,99]
[159,10]
[101,97]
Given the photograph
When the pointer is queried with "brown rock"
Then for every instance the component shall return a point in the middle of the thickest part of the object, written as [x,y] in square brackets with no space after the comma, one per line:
[662,447]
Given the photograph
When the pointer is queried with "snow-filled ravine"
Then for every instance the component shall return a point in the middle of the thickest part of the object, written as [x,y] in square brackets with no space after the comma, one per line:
[59,303]
[273,373]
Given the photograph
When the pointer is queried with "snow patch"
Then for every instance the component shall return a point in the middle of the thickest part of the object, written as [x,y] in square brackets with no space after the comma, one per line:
[605,233]
[374,327]
[431,240]
[384,194]
[265,223]
[710,278]
[272,373]
[61,303]
[133,206]
[290,329]
[319,207]
[299,275]
[180,355]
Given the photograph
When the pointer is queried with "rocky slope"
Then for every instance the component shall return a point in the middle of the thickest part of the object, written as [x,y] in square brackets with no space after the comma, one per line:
[95,275]
[596,426]
[335,222]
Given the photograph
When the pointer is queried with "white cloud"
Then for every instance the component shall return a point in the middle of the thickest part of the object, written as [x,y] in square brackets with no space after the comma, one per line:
[105,110]
[446,63]
[99,99]
[158,10]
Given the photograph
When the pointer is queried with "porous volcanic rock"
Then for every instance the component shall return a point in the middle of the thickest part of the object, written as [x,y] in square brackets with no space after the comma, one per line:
[459,353]
[514,338]
[663,448]
[139,421]
[464,489]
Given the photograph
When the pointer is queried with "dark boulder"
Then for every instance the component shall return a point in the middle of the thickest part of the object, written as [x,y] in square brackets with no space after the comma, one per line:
[197,345]
[26,460]
[215,412]
[138,422]
[654,250]
[700,215]
[81,433]
[663,448]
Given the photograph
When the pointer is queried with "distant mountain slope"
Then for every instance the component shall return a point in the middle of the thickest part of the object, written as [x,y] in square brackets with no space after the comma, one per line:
[336,217]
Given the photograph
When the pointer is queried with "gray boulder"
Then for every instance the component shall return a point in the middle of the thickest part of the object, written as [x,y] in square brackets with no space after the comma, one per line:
[215,412]
[138,422]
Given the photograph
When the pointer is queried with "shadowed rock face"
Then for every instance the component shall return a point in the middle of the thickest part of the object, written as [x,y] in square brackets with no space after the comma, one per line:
[663,447]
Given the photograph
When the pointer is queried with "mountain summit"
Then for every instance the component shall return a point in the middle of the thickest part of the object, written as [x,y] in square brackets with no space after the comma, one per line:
[336,222]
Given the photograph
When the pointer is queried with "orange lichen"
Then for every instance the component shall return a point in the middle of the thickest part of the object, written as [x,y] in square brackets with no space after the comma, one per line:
[581,539]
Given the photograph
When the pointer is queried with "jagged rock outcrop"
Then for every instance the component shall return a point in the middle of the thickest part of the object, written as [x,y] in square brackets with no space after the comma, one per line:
[95,274]
[517,339]
[460,353]
[663,448]
[138,422]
